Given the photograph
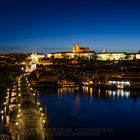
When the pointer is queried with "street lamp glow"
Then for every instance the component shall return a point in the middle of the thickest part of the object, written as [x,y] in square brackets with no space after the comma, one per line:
[18,115]
[42,114]
[38,103]
[19,95]
[33,94]
[17,123]
[6,97]
[19,105]
[4,103]
[40,109]
[43,121]
[19,110]
[2,112]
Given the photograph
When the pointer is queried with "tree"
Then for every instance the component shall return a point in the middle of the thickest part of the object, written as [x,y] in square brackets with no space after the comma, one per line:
[8,79]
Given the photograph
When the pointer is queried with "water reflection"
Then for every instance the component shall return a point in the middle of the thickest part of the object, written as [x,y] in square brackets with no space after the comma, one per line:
[118,93]
[97,93]
[77,103]
[67,90]
[107,93]
[91,92]
[85,89]
[87,107]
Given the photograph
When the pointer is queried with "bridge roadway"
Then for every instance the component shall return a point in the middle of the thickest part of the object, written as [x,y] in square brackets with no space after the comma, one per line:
[30,123]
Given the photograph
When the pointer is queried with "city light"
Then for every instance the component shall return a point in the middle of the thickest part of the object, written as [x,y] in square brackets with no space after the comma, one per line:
[31,88]
[7,92]
[43,121]
[2,118]
[2,112]
[17,123]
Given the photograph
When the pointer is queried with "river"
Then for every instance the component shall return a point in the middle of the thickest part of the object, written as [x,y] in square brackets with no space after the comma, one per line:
[88,112]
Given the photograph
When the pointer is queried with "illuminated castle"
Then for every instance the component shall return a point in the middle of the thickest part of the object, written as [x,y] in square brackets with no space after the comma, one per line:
[78,49]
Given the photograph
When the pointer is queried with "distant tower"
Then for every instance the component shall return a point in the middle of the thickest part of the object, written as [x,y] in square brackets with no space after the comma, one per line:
[104,51]
[76,48]
[34,57]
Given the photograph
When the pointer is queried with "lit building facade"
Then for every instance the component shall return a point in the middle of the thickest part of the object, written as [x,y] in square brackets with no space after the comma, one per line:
[77,51]
[83,52]
[111,56]
[34,57]
[137,56]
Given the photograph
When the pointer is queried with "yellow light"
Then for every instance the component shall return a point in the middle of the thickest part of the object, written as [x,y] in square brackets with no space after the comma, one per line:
[38,103]
[18,115]
[19,105]
[4,103]
[2,112]
[109,92]
[19,95]
[43,121]
[17,123]
[91,82]
[19,110]
[91,91]
[40,109]
[33,94]
[42,114]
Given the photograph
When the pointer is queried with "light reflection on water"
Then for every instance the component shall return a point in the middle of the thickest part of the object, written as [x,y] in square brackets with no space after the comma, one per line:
[90,107]
[90,91]
[118,93]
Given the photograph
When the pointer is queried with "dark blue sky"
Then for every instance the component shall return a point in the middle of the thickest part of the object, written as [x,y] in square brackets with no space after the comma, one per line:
[98,24]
